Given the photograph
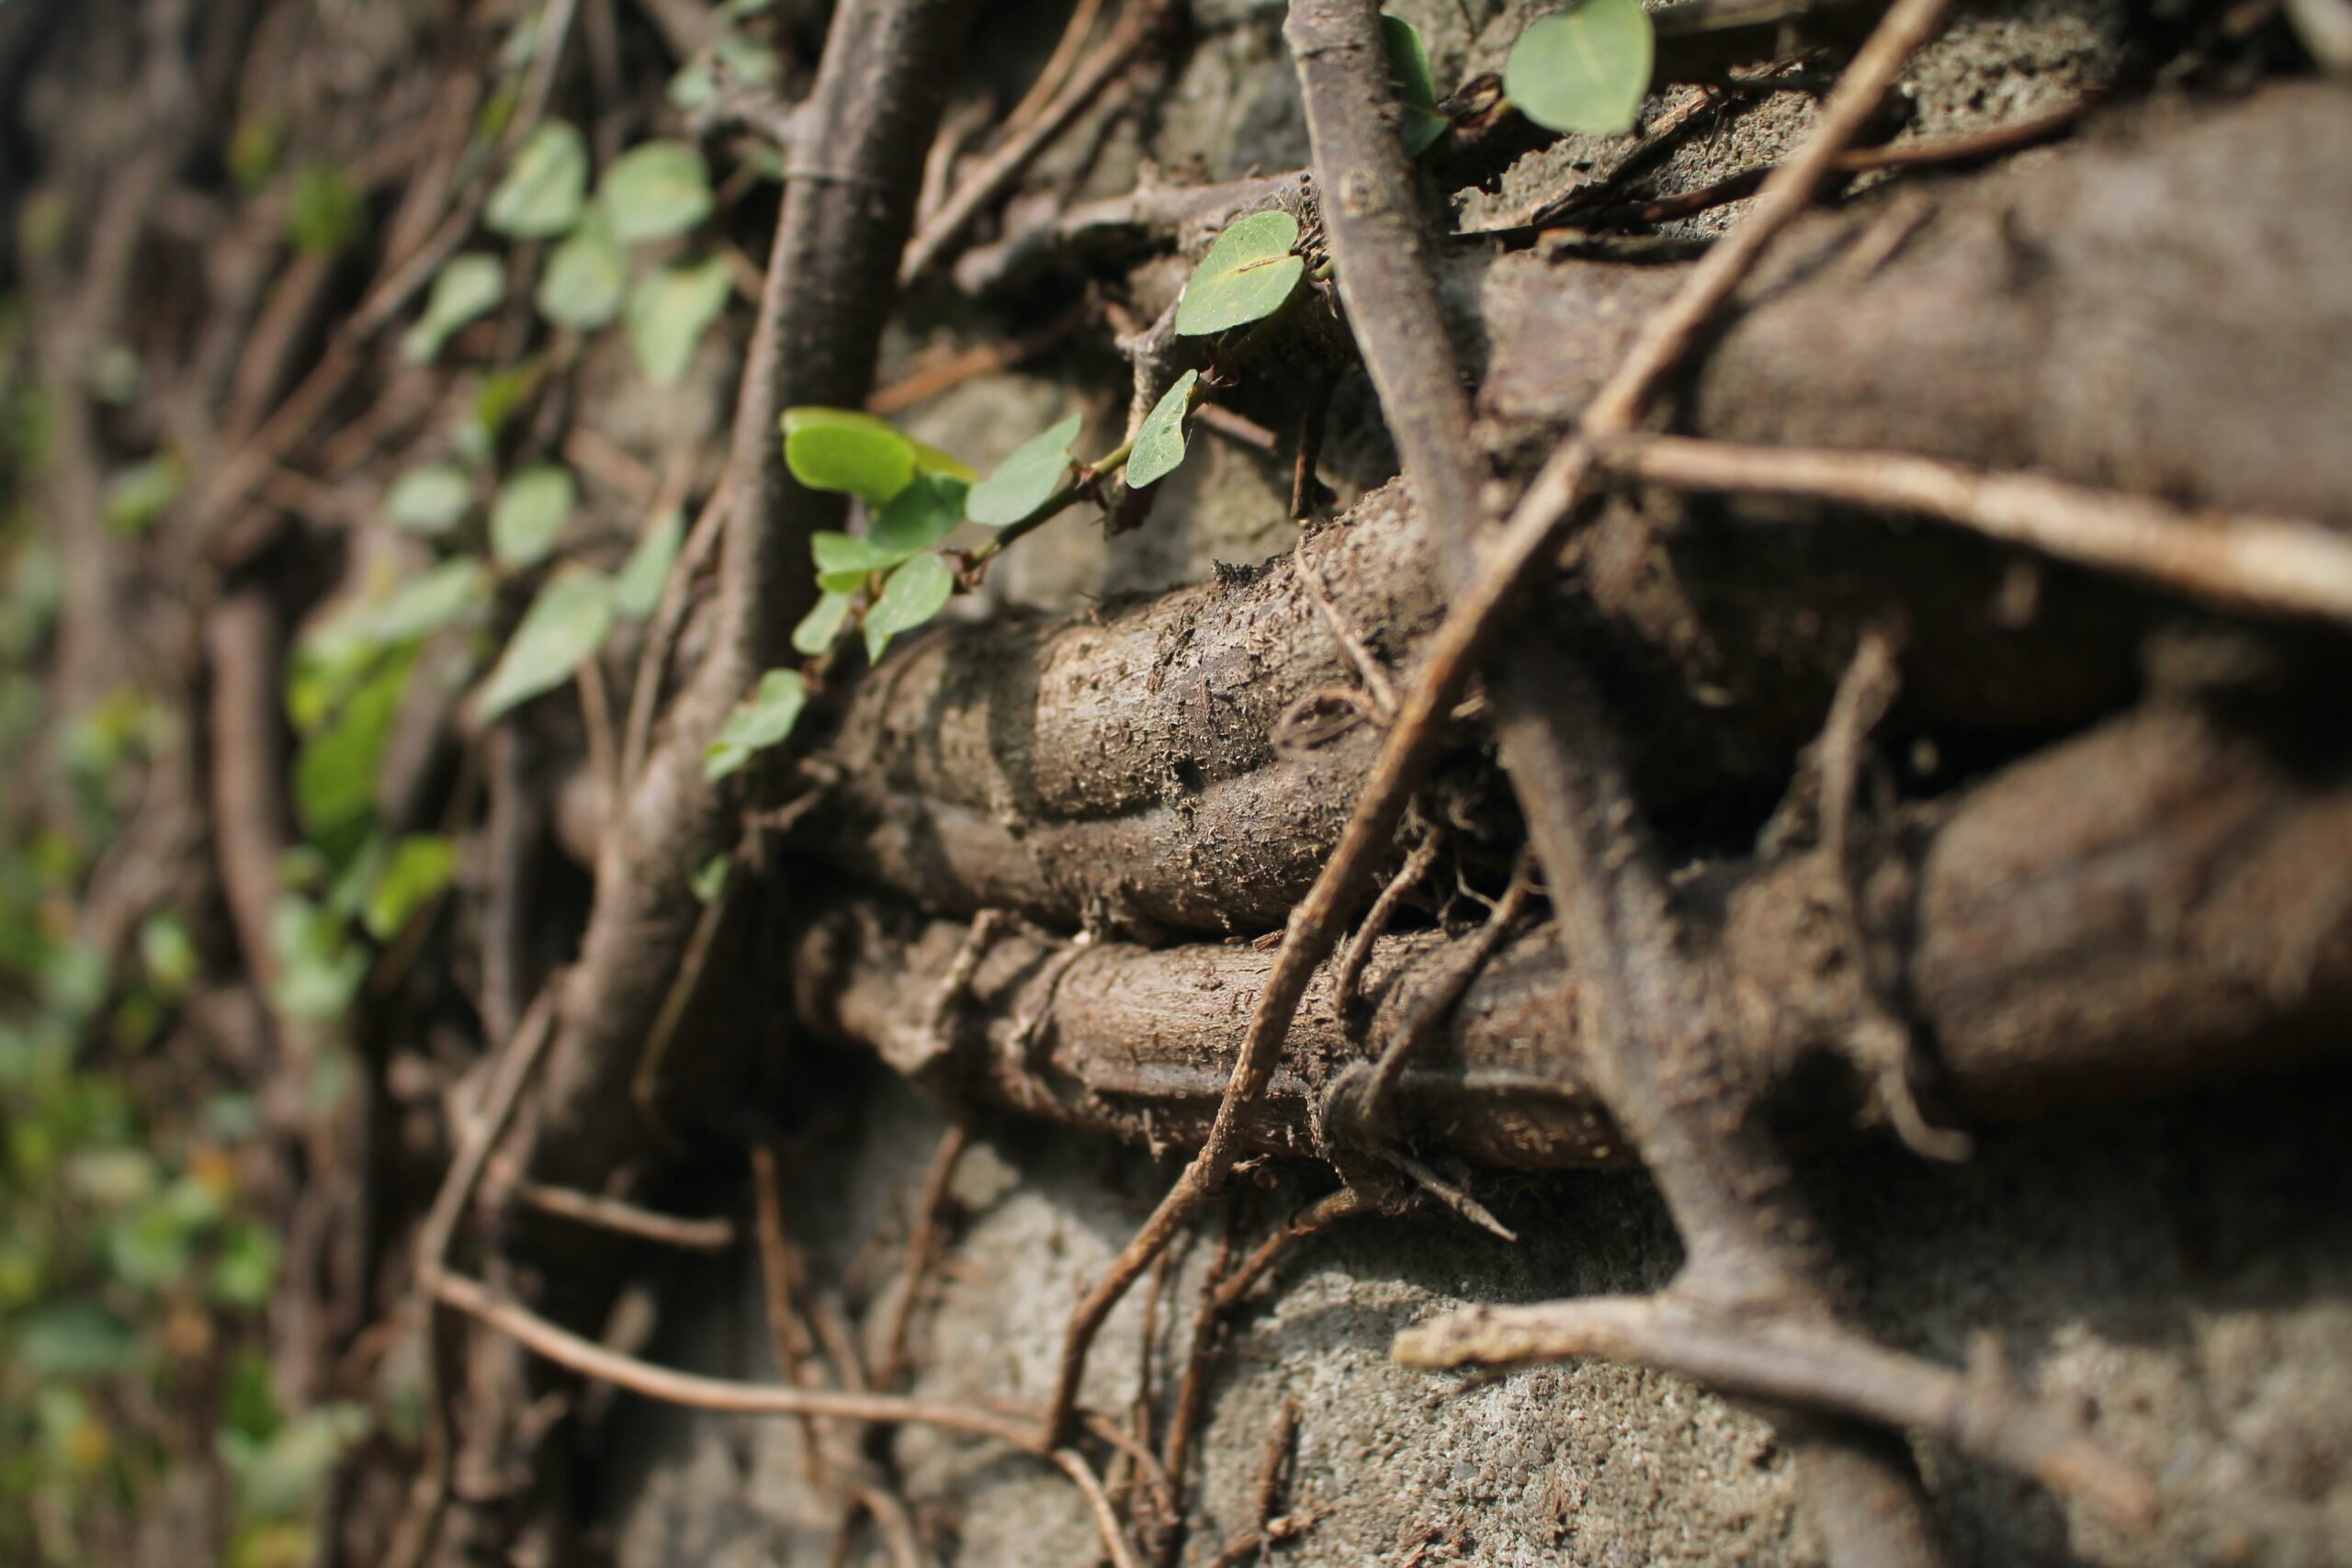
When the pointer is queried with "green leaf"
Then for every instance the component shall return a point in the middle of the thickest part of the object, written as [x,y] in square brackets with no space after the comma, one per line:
[1583,70]
[638,589]
[762,720]
[168,953]
[668,314]
[1159,445]
[73,1339]
[563,627]
[914,593]
[419,867]
[709,879]
[1408,68]
[530,511]
[845,558]
[247,1266]
[320,968]
[334,773]
[654,190]
[820,625]
[836,449]
[137,495]
[918,517]
[544,188]
[856,454]
[325,211]
[587,277]
[1026,479]
[467,287]
[1247,275]
[432,498]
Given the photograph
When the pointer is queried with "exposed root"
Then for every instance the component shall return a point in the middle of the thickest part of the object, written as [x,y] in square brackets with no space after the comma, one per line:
[1805,1365]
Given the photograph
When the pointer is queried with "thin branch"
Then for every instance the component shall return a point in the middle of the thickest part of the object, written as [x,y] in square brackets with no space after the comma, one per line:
[1140,23]
[414,1534]
[591,1360]
[623,1218]
[2267,565]
[1106,1518]
[1808,1365]
[1667,336]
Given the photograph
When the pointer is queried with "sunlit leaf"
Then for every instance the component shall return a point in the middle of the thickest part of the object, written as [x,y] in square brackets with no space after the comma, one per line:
[637,587]
[1585,70]
[1247,275]
[1026,479]
[467,288]
[668,314]
[915,593]
[430,499]
[654,190]
[564,627]
[856,454]
[586,280]
[530,512]
[544,188]
[762,720]
[1408,67]
[1159,445]
[820,625]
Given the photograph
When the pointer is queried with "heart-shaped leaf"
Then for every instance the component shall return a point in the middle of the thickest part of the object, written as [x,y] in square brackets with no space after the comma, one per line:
[638,588]
[467,287]
[1247,275]
[586,278]
[820,625]
[1026,479]
[759,721]
[914,593]
[1583,70]
[669,312]
[544,188]
[563,627]
[1408,68]
[530,511]
[654,190]
[430,499]
[1159,445]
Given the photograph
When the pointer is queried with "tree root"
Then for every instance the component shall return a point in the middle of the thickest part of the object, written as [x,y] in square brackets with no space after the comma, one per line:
[1800,1363]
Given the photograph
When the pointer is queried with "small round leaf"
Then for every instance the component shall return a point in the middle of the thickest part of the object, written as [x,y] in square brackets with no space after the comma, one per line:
[654,190]
[820,625]
[544,188]
[1247,275]
[530,511]
[1583,70]
[759,721]
[587,275]
[563,627]
[1408,69]
[432,498]
[467,287]
[669,312]
[1026,479]
[914,593]
[637,587]
[1159,445]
